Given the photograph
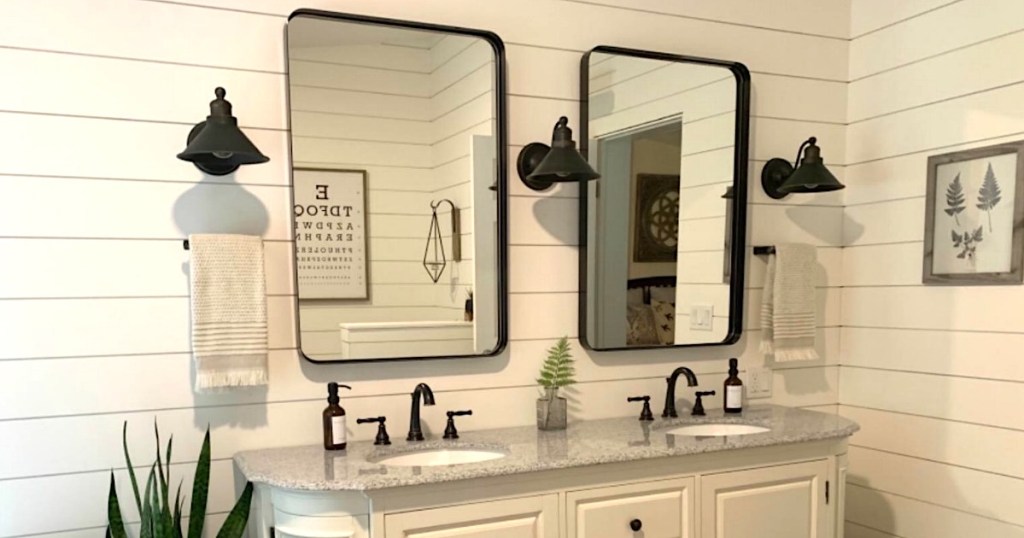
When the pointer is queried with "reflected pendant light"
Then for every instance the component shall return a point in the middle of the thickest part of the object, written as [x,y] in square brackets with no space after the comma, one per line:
[779,178]
[217,146]
[541,166]
[434,260]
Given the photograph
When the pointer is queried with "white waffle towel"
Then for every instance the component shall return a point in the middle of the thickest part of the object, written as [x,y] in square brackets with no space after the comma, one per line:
[788,309]
[229,311]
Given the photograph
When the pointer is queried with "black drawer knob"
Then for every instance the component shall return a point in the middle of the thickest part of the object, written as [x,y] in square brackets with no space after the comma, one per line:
[636,525]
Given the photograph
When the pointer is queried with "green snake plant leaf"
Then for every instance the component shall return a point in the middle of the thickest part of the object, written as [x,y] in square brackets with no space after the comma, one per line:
[234,525]
[162,507]
[200,490]
[131,470]
[177,512]
[147,509]
[115,524]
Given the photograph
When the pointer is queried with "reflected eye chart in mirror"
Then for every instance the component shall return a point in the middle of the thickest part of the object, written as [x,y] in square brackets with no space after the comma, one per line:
[330,233]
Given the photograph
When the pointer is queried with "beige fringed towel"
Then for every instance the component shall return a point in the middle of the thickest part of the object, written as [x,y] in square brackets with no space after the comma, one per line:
[229,311]
[788,308]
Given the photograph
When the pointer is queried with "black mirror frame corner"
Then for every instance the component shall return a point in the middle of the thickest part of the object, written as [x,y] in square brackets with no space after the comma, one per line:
[501,184]
[741,164]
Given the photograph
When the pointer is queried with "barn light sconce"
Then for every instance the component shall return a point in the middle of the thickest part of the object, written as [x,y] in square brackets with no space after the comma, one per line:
[217,146]
[779,178]
[541,166]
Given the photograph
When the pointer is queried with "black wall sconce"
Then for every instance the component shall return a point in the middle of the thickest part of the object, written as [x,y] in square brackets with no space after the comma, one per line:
[779,178]
[217,146]
[434,259]
[541,166]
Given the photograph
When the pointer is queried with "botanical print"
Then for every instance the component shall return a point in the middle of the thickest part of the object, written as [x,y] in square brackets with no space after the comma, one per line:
[974,227]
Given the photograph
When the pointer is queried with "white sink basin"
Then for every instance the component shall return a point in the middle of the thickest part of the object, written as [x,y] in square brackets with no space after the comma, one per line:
[440,456]
[717,430]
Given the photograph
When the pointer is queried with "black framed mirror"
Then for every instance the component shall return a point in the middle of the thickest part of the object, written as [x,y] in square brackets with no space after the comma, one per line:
[663,231]
[398,137]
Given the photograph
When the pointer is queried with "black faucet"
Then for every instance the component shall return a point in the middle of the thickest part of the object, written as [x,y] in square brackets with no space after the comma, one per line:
[670,395]
[415,430]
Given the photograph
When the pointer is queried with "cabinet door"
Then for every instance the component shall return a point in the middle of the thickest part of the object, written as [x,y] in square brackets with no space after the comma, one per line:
[529,517]
[785,501]
[662,509]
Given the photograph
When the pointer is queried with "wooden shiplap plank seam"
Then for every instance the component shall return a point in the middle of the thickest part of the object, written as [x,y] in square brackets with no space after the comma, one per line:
[936,55]
[915,499]
[918,415]
[903,20]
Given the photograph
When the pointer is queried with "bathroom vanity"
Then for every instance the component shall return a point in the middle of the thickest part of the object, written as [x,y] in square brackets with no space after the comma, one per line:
[771,471]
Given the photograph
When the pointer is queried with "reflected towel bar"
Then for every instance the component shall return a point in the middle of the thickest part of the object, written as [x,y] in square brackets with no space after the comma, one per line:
[761,250]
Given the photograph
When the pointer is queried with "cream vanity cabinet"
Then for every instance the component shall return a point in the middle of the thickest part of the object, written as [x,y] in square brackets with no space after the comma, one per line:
[610,478]
[796,499]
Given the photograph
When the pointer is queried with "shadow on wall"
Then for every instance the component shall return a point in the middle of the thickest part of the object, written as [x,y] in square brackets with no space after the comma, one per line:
[866,501]
[220,206]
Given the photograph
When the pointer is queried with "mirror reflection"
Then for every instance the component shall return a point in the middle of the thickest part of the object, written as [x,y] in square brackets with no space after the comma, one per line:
[664,223]
[397,188]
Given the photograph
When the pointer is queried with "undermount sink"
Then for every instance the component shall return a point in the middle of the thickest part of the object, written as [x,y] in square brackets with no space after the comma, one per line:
[441,456]
[717,430]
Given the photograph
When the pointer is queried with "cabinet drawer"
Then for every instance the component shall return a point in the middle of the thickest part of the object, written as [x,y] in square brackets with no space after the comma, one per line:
[661,509]
[527,517]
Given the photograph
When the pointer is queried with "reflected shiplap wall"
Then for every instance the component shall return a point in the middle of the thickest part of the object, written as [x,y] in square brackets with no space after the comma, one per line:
[98,98]
[933,374]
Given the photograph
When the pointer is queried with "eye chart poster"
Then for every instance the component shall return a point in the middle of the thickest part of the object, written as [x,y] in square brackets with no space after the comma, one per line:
[330,233]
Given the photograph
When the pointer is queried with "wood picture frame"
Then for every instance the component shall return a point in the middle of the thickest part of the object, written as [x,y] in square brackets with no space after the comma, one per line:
[656,215]
[974,217]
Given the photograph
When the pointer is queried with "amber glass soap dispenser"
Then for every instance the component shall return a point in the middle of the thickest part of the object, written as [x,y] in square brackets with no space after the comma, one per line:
[733,389]
[334,419]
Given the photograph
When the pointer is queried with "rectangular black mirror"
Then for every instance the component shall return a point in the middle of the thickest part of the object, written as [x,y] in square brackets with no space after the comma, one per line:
[399,188]
[662,232]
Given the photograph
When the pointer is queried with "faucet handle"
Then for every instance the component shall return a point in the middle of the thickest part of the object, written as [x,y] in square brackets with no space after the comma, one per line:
[382,431]
[698,406]
[449,431]
[646,413]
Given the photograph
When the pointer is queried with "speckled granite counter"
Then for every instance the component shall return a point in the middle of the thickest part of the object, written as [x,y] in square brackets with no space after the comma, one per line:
[529,450]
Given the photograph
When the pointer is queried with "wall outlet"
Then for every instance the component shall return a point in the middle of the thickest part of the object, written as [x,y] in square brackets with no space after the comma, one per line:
[759,383]
[701,317]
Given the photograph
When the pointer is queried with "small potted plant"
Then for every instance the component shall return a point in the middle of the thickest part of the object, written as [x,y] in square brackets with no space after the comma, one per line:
[557,372]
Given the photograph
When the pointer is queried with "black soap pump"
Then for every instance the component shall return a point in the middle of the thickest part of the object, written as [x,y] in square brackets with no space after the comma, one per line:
[335,435]
[733,389]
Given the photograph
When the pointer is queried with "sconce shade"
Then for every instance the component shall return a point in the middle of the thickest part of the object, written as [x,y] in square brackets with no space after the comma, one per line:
[540,166]
[217,146]
[778,178]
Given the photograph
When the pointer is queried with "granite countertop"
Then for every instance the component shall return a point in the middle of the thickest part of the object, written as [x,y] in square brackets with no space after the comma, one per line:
[529,450]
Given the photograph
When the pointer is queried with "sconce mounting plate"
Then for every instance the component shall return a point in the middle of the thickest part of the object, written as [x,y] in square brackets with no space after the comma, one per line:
[212,169]
[529,158]
[773,175]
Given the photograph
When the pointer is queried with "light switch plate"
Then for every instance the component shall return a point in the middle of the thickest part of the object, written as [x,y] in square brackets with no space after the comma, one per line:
[759,383]
[701,317]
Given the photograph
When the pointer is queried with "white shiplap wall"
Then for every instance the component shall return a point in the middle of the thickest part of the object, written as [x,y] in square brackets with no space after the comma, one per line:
[97,99]
[933,374]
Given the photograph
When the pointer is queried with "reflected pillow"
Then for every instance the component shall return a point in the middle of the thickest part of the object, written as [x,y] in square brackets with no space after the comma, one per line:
[664,321]
[635,296]
[640,330]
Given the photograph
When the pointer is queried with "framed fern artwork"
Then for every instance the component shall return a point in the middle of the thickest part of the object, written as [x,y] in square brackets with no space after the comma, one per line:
[974,212]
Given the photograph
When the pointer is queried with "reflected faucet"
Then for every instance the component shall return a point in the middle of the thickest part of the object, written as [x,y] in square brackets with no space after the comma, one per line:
[415,430]
[670,395]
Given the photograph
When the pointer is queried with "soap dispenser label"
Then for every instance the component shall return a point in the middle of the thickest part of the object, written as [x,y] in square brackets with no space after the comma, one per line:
[734,397]
[338,430]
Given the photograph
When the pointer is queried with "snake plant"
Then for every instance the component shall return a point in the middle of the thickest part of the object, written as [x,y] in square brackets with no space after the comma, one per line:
[160,515]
